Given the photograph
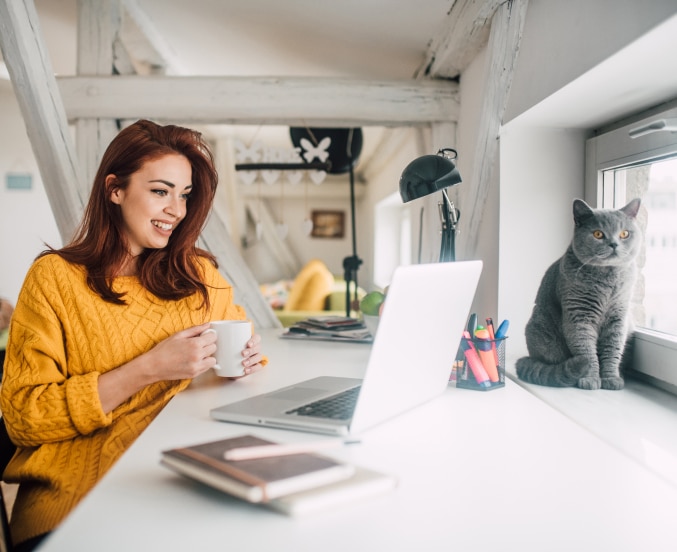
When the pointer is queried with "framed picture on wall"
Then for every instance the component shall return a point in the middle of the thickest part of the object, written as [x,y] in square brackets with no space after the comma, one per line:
[328,224]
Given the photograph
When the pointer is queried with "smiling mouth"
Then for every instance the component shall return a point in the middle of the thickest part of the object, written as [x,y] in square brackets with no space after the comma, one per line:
[162,225]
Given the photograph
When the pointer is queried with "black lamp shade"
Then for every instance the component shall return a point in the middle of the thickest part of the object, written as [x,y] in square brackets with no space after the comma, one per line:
[426,175]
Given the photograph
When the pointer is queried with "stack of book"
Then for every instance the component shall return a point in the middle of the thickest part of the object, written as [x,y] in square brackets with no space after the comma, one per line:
[330,328]
[293,484]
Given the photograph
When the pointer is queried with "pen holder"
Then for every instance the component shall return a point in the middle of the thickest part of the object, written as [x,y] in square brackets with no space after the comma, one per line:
[487,361]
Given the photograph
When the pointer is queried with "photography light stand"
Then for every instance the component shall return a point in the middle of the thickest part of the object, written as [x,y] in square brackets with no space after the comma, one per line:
[351,264]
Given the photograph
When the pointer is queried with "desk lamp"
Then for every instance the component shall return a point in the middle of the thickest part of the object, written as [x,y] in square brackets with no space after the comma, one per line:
[429,174]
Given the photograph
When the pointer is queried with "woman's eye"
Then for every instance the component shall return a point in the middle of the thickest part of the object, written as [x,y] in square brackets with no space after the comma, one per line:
[624,235]
[160,192]
[185,197]
[598,234]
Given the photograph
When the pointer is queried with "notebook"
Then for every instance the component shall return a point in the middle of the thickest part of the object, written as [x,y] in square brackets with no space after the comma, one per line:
[421,324]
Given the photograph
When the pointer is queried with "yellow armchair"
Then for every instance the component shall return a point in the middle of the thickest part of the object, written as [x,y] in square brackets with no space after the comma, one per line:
[315,292]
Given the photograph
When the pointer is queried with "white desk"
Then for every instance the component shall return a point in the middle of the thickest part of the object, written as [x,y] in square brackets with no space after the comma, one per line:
[478,472]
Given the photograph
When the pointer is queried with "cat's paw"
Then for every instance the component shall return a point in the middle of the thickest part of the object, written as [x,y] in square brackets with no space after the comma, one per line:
[614,383]
[590,382]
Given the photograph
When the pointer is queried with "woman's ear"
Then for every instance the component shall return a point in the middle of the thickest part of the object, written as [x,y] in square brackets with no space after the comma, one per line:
[113,189]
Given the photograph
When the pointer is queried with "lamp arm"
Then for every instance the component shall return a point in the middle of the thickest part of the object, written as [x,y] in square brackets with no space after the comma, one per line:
[449,219]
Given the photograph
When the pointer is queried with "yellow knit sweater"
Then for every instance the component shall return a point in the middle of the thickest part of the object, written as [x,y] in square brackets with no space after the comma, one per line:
[62,337]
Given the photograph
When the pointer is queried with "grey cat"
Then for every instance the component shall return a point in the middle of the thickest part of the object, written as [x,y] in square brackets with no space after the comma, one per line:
[580,322]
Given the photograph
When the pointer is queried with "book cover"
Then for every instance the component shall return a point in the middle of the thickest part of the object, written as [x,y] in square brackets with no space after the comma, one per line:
[290,333]
[333,321]
[255,480]
[362,485]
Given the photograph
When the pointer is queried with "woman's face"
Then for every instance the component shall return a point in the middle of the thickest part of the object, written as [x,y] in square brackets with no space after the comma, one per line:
[154,202]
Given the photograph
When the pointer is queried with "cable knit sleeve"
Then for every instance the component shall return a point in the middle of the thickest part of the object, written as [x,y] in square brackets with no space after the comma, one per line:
[41,400]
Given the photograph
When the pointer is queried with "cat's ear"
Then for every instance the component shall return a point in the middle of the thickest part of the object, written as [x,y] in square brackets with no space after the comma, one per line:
[632,208]
[581,211]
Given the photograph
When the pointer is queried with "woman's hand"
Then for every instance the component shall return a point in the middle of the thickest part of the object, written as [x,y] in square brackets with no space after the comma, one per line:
[184,355]
[252,355]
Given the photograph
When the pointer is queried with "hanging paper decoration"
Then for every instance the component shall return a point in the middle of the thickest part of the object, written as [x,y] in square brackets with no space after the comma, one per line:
[271,155]
[258,153]
[281,226]
[295,176]
[319,152]
[247,154]
[259,224]
[307,224]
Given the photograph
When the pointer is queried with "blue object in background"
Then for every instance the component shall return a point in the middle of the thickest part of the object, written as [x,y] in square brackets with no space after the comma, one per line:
[19,181]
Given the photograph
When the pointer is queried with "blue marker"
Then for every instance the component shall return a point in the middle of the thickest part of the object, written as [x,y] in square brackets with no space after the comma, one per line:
[502,330]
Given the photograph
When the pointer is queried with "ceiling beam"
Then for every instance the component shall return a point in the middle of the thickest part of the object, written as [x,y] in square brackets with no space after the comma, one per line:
[464,33]
[328,102]
[146,47]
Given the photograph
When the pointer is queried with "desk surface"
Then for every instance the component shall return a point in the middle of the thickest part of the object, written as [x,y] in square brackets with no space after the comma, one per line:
[500,470]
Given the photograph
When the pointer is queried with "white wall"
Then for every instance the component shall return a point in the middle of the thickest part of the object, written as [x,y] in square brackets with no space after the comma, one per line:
[26,220]
[473,82]
[382,184]
[542,171]
[564,40]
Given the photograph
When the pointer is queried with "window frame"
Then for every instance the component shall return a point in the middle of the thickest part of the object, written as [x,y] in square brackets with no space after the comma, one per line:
[654,353]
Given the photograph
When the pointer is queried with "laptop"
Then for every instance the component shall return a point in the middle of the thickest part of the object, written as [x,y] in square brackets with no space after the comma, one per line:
[411,358]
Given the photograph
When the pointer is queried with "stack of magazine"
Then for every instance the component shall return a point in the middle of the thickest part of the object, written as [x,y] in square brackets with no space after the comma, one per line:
[293,484]
[330,328]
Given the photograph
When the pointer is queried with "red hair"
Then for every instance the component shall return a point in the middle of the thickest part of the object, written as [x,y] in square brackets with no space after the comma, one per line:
[99,245]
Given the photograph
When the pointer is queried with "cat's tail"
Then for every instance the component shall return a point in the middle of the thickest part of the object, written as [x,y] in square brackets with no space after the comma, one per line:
[564,374]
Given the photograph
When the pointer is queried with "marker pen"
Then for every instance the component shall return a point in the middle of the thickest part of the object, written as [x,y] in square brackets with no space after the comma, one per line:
[483,345]
[474,361]
[472,323]
[490,328]
[502,329]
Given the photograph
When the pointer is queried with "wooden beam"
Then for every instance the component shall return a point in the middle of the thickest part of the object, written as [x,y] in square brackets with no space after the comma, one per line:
[147,49]
[262,100]
[503,47]
[44,116]
[461,38]
[215,239]
[278,249]
[98,28]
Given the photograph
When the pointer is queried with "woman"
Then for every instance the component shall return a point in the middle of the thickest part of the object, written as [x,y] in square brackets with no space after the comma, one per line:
[108,329]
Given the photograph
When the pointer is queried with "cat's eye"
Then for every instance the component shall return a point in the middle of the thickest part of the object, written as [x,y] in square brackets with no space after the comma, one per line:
[624,235]
[598,234]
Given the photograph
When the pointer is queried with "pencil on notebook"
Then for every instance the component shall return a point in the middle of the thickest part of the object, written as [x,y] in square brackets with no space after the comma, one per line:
[283,449]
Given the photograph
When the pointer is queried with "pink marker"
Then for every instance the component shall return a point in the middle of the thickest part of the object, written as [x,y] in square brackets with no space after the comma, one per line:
[484,344]
[474,361]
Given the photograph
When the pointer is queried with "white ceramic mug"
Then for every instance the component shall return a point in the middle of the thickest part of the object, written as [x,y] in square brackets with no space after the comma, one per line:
[231,340]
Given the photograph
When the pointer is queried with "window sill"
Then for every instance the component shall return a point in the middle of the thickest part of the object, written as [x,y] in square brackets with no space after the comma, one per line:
[639,420]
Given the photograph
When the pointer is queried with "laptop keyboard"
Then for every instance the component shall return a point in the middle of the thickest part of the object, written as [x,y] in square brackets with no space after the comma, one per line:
[337,407]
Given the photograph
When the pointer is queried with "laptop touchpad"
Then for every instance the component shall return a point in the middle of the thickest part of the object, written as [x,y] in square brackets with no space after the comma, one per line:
[296,394]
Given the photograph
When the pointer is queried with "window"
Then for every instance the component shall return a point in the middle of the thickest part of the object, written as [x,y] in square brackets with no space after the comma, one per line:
[639,159]
[392,232]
